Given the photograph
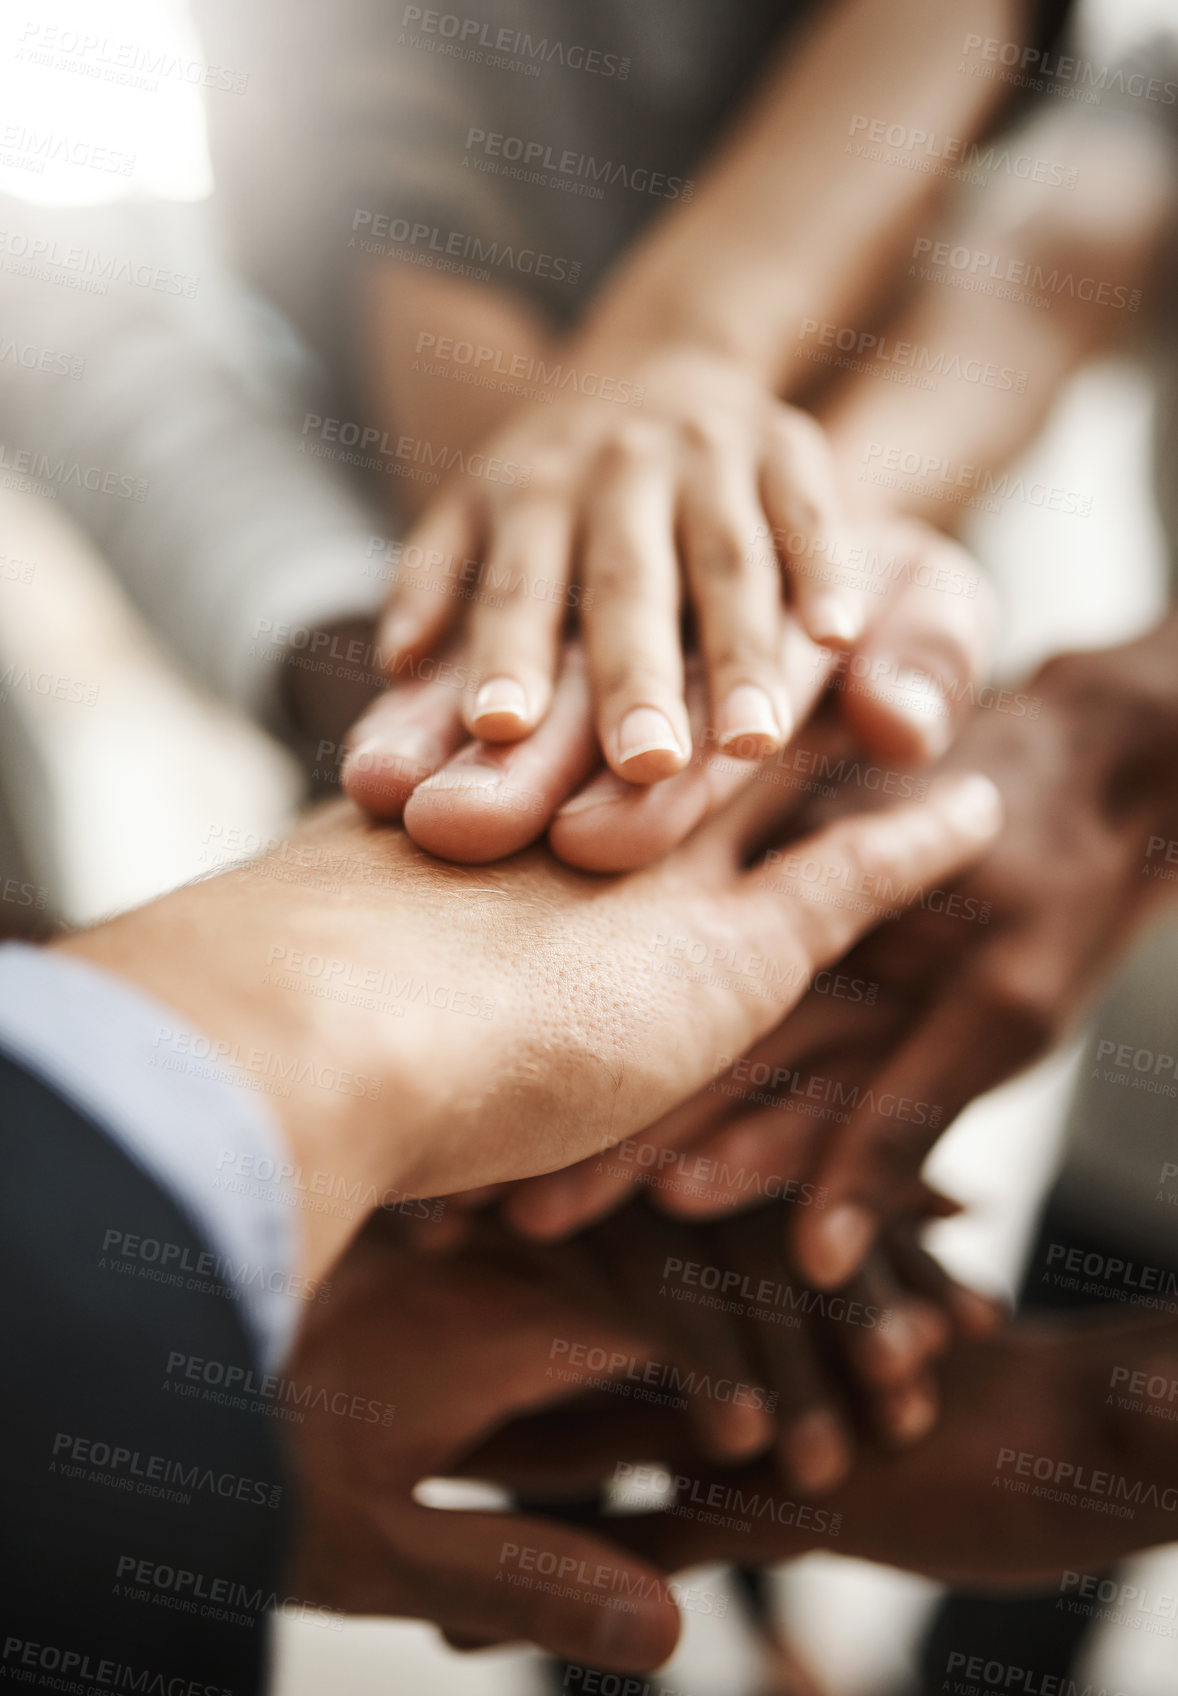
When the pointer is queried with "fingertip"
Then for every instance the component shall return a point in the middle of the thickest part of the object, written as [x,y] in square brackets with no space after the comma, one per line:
[973,804]
[817,1452]
[503,710]
[468,813]
[833,621]
[832,1246]
[749,724]
[639,1641]
[539,1210]
[742,1433]
[381,770]
[911,1414]
[646,748]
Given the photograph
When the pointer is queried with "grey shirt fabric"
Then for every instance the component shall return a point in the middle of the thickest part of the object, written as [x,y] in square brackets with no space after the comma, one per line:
[148,395]
[588,121]
[167,1096]
[358,115]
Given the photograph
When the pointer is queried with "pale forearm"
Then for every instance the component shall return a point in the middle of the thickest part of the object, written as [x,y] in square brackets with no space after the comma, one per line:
[422,335]
[987,320]
[789,220]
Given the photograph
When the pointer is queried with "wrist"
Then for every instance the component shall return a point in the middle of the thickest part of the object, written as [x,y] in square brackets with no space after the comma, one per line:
[651,334]
[1123,704]
[338,1081]
[323,688]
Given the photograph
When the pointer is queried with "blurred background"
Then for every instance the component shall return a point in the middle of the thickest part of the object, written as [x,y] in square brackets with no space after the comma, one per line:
[127,780]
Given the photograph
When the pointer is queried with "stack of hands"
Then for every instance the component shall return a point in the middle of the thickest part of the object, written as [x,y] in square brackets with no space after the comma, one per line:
[809,956]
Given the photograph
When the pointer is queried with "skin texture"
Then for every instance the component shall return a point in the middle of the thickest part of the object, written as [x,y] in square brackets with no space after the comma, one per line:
[903,695]
[1014,949]
[474,1351]
[1047,1393]
[537,1022]
[714,492]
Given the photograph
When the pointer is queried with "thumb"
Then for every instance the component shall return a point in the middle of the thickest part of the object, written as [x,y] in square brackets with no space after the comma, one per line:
[578,1596]
[807,903]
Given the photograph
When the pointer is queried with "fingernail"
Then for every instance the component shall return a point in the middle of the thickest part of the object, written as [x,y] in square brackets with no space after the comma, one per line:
[398,632]
[819,1456]
[407,748]
[921,699]
[913,1416]
[832,619]
[748,714]
[604,789]
[501,703]
[843,1238]
[976,1314]
[546,1213]
[744,1432]
[974,804]
[896,1336]
[479,779]
[627,1642]
[645,730]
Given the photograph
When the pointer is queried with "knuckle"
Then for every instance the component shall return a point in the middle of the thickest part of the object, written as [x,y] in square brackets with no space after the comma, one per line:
[720,555]
[631,677]
[800,513]
[1025,1009]
[703,434]
[635,441]
[616,572]
[797,433]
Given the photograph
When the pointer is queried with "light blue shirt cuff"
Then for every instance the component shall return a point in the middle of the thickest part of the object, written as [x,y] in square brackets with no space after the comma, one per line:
[133,1067]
